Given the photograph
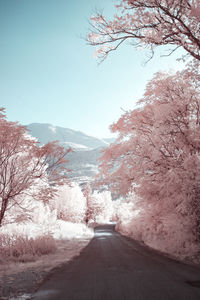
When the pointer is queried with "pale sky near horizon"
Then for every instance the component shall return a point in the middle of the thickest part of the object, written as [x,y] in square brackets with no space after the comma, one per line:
[48,73]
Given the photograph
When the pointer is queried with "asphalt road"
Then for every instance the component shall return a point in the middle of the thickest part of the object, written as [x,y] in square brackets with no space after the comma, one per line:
[113,267]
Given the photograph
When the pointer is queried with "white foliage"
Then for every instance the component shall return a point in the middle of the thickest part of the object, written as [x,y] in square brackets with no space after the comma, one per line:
[44,222]
[164,232]
[70,203]
[102,206]
[68,230]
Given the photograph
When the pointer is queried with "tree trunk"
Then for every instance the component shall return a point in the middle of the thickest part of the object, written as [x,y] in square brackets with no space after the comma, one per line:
[3,209]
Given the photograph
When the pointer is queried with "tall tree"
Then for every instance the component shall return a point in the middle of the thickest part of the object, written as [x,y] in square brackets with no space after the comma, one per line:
[157,153]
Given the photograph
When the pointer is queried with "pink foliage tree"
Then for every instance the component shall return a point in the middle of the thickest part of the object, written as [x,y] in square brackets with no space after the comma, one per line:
[149,23]
[23,163]
[157,153]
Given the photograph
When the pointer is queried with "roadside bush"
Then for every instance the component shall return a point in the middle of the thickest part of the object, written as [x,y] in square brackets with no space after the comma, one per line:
[159,230]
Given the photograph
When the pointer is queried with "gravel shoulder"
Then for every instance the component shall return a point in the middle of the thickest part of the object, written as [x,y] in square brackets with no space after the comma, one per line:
[19,280]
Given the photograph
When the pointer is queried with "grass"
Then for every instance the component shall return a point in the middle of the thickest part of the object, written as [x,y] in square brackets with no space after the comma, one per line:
[23,248]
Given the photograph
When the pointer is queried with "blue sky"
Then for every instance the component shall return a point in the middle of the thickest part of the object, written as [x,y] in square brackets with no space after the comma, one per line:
[48,73]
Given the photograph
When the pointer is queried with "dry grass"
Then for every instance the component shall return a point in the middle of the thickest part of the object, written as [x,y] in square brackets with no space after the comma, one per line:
[23,277]
[22,248]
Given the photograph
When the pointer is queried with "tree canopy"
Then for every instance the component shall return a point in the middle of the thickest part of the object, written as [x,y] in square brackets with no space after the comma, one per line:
[149,24]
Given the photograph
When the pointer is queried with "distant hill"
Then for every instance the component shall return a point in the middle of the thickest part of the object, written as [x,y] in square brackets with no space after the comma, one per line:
[67,137]
[84,160]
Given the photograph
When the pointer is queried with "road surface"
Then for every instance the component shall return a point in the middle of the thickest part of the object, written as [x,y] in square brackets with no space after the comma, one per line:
[113,267]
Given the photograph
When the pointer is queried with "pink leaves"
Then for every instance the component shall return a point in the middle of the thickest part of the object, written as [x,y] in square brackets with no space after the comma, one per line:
[195,10]
[149,22]
[97,19]
[157,154]
[155,141]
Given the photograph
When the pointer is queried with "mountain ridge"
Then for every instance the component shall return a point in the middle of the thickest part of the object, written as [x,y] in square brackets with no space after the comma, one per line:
[46,132]
[84,160]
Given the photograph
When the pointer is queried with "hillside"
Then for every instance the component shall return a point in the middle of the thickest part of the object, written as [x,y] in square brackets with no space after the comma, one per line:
[67,137]
[87,149]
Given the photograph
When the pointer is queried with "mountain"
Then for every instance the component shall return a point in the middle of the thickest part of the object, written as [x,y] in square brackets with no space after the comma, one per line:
[67,137]
[83,164]
[87,149]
